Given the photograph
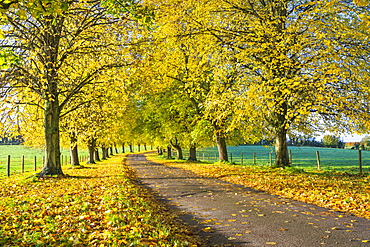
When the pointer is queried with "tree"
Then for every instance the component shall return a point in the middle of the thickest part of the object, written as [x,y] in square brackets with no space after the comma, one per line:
[188,65]
[331,141]
[46,35]
[365,142]
[302,61]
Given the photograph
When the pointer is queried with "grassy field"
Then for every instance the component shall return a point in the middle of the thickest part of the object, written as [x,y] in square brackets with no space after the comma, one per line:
[17,151]
[345,160]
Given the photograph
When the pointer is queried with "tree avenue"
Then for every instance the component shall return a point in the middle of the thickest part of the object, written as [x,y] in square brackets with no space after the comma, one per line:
[200,72]
[303,60]
[281,67]
[46,38]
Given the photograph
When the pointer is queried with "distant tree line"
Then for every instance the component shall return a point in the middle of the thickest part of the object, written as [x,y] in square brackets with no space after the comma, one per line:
[5,140]
[330,141]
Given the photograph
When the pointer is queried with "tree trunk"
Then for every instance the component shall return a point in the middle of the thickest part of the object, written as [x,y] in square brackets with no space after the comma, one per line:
[107,153]
[91,147]
[104,153]
[192,153]
[176,145]
[138,147]
[52,139]
[115,148]
[123,147]
[111,151]
[96,154]
[221,146]
[160,151]
[169,152]
[179,152]
[74,150]
[49,52]
[281,148]
[145,147]
[130,146]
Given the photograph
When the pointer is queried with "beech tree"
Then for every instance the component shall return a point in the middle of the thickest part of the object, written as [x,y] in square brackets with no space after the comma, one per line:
[303,61]
[331,141]
[187,64]
[45,36]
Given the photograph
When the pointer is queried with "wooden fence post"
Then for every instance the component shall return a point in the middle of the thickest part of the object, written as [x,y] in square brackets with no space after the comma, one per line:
[35,164]
[22,163]
[8,167]
[318,160]
[290,157]
[360,160]
[270,158]
[231,157]
[242,159]
[254,158]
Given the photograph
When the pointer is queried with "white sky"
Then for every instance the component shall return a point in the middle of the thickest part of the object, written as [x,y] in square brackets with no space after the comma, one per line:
[346,138]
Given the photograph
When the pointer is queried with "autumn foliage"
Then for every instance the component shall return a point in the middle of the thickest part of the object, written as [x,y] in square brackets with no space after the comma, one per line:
[96,205]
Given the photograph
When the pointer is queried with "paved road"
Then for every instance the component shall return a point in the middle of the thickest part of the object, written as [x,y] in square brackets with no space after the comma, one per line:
[232,215]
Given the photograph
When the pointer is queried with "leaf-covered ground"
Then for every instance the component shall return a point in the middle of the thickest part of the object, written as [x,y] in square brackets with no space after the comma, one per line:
[337,191]
[98,205]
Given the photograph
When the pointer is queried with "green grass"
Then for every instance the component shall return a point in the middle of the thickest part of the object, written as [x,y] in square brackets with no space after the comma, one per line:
[17,151]
[343,160]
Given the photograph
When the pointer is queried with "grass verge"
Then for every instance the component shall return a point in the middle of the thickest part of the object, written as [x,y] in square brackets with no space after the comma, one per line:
[98,205]
[334,190]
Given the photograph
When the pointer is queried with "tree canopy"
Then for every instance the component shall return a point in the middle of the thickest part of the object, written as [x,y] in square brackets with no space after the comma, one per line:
[184,73]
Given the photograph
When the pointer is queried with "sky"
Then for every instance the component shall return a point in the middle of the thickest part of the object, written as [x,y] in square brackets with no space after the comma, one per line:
[346,138]
[354,138]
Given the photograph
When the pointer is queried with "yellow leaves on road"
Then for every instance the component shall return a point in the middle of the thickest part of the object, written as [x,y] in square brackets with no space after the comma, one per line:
[336,191]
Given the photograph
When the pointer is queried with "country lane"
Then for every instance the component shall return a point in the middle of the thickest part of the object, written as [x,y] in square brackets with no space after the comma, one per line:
[225,214]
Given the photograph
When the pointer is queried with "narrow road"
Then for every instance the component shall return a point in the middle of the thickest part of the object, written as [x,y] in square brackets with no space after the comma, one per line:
[232,215]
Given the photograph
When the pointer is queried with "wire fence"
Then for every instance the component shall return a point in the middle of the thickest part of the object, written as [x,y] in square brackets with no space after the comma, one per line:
[308,158]
[21,164]
[34,159]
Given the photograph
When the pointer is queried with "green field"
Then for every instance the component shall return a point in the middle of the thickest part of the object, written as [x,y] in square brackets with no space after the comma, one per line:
[17,151]
[345,160]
